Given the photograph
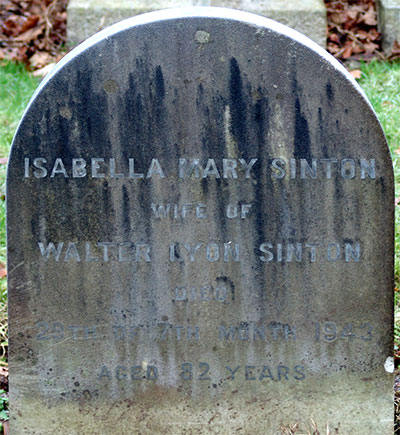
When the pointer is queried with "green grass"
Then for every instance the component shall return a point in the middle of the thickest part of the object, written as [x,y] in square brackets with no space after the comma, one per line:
[380,81]
[16,88]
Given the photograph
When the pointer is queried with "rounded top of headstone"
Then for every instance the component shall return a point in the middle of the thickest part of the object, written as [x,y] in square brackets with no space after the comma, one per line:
[262,24]
[206,38]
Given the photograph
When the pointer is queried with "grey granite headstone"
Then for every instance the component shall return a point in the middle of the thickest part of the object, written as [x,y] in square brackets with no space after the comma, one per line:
[200,235]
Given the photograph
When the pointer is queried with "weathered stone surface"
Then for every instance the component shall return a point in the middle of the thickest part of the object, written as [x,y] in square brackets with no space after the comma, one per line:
[263,298]
[86,17]
[389,22]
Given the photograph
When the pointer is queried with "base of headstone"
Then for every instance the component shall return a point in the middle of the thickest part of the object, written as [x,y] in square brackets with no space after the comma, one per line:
[341,410]
[389,22]
[86,17]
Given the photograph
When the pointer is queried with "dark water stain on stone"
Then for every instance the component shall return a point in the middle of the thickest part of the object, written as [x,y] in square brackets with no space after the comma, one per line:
[338,209]
[145,212]
[383,185]
[322,141]
[223,201]
[301,130]
[329,93]
[159,127]
[125,212]
[301,148]
[34,224]
[263,193]
[91,114]
[157,102]
[160,85]
[238,106]
[210,113]
[225,279]
[107,211]
[260,115]
[214,146]
[301,134]
[204,186]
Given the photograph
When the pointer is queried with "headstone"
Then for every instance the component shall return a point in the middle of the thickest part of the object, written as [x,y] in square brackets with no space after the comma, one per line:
[86,17]
[200,235]
[389,22]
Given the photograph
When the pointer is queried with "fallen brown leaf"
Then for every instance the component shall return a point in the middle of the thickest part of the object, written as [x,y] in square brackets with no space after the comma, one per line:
[352,13]
[334,37]
[370,17]
[338,18]
[4,378]
[27,27]
[13,25]
[356,73]
[370,47]
[352,29]
[29,35]
[347,52]
[30,22]
[42,72]
[333,48]
[362,34]
[373,34]
[40,59]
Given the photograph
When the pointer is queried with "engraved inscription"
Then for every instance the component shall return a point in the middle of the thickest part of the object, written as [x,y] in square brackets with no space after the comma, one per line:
[202,371]
[212,252]
[199,211]
[57,331]
[132,373]
[249,331]
[196,168]
[94,252]
[244,331]
[281,252]
[330,332]
[204,293]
